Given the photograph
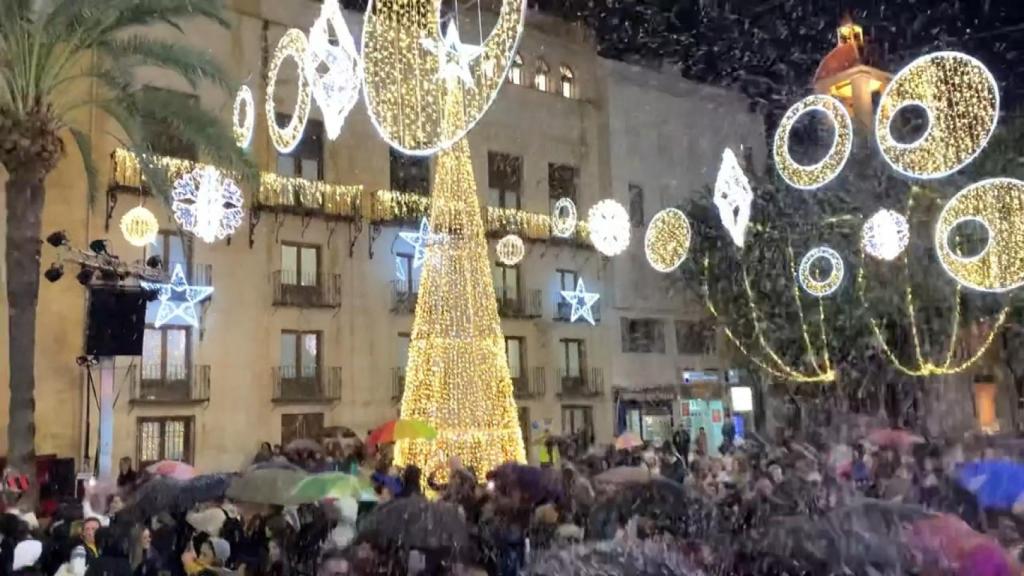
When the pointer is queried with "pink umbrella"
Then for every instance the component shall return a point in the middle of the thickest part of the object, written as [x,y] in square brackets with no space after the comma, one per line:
[945,543]
[894,438]
[172,469]
[628,441]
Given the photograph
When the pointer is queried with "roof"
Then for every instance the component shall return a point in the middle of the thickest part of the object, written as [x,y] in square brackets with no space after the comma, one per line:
[839,60]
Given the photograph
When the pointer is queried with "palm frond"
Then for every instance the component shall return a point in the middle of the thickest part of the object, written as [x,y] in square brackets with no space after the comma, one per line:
[84,144]
[190,63]
[147,12]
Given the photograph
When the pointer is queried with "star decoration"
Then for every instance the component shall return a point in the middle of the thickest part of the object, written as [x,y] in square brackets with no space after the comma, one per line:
[581,301]
[169,309]
[420,240]
[453,56]
[733,197]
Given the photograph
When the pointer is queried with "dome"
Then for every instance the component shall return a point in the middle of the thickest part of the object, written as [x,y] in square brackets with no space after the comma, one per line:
[839,60]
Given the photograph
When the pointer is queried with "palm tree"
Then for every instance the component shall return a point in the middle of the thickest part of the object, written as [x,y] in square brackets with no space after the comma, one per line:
[58,60]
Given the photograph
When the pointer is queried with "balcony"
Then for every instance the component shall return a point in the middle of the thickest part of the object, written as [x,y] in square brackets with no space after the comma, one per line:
[523,305]
[530,387]
[586,383]
[306,384]
[403,297]
[169,384]
[563,311]
[309,291]
[397,383]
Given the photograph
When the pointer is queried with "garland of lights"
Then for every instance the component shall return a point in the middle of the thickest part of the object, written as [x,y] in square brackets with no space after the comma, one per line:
[510,250]
[733,197]
[885,235]
[139,226]
[337,89]
[609,227]
[815,286]
[207,204]
[563,218]
[998,205]
[292,45]
[962,101]
[331,199]
[820,173]
[667,240]
[243,125]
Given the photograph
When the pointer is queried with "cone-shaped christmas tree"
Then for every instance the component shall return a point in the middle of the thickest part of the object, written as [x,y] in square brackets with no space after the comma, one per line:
[457,378]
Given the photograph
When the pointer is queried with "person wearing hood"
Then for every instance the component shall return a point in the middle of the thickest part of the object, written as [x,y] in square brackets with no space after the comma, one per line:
[213,555]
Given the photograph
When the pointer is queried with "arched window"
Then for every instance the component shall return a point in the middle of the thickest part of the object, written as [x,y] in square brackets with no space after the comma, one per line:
[540,79]
[515,72]
[568,82]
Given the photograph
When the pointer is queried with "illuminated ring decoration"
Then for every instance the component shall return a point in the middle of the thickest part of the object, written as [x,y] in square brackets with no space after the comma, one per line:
[962,101]
[139,226]
[667,240]
[885,235]
[510,250]
[819,174]
[293,44]
[244,124]
[998,204]
[609,225]
[563,218]
[827,286]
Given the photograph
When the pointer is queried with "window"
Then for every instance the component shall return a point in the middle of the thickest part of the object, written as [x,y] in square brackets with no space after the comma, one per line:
[409,173]
[515,72]
[695,338]
[301,426]
[504,178]
[164,439]
[567,279]
[172,249]
[568,82]
[300,264]
[165,354]
[307,159]
[161,133]
[404,271]
[403,349]
[506,283]
[578,421]
[572,358]
[636,205]
[300,355]
[643,335]
[540,78]
[562,182]
[514,349]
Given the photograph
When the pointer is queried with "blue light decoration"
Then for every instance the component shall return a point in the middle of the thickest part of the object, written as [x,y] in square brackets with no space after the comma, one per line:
[169,309]
[581,301]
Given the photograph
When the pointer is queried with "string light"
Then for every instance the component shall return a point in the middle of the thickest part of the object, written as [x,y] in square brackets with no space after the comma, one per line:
[331,46]
[510,250]
[289,192]
[609,227]
[139,226]
[292,45]
[207,204]
[885,235]
[563,218]
[998,205]
[733,196]
[820,173]
[667,240]
[962,101]
[183,306]
[243,119]
[811,283]
[405,87]
[582,302]
[453,56]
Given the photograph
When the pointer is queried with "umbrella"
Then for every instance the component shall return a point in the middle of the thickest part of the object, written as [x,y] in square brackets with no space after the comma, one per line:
[402,430]
[414,523]
[946,540]
[266,486]
[172,469]
[333,485]
[276,463]
[894,438]
[668,504]
[624,475]
[628,441]
[637,558]
[303,445]
[997,484]
[169,495]
[536,484]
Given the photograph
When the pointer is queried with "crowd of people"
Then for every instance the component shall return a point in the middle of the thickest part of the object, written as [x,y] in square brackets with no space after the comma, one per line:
[886,503]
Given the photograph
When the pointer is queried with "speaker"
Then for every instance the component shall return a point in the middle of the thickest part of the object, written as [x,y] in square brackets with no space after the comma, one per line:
[117,321]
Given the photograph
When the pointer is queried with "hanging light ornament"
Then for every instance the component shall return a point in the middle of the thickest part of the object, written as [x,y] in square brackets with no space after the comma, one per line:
[667,240]
[609,227]
[815,175]
[207,204]
[563,218]
[733,196]
[811,282]
[292,45]
[332,49]
[139,226]
[244,117]
[510,250]
[885,235]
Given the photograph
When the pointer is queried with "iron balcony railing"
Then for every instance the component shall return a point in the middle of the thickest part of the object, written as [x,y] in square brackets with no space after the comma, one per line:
[307,384]
[397,383]
[563,311]
[584,383]
[306,290]
[404,295]
[170,384]
[525,304]
[530,388]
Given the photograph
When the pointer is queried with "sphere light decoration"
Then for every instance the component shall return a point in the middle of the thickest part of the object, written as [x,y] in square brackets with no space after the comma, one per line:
[962,101]
[511,250]
[244,117]
[998,205]
[667,241]
[139,226]
[814,285]
[332,48]
[207,204]
[809,177]
[609,227]
[292,45]
[563,218]
[885,235]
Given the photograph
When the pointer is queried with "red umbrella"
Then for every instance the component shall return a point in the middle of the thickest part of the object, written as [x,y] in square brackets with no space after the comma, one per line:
[172,469]
[401,430]
[894,438]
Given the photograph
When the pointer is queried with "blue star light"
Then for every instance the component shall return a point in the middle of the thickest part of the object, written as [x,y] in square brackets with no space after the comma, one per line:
[419,241]
[581,301]
[169,309]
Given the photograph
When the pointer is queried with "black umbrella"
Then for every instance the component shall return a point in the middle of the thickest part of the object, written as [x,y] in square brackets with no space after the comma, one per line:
[669,505]
[163,494]
[415,523]
[638,558]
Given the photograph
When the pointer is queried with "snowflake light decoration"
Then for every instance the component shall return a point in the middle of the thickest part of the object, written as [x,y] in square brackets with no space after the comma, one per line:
[563,218]
[510,250]
[885,235]
[582,302]
[332,48]
[733,197]
[207,204]
[181,306]
[815,285]
[609,227]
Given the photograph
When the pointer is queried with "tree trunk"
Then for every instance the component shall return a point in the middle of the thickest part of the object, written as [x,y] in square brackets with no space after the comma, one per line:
[25,195]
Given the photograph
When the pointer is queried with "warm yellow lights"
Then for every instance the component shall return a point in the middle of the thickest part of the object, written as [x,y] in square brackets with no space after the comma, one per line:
[139,226]
[962,102]
[292,45]
[815,175]
[243,118]
[667,240]
[331,199]
[998,206]
[813,282]
[510,250]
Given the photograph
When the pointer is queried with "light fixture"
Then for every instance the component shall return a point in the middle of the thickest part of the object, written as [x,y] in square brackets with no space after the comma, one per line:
[84,276]
[207,204]
[582,302]
[332,49]
[292,45]
[733,197]
[809,177]
[811,282]
[139,226]
[243,119]
[54,272]
[563,218]
[177,298]
[885,235]
[57,239]
[609,227]
[510,250]
[667,241]
[99,246]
